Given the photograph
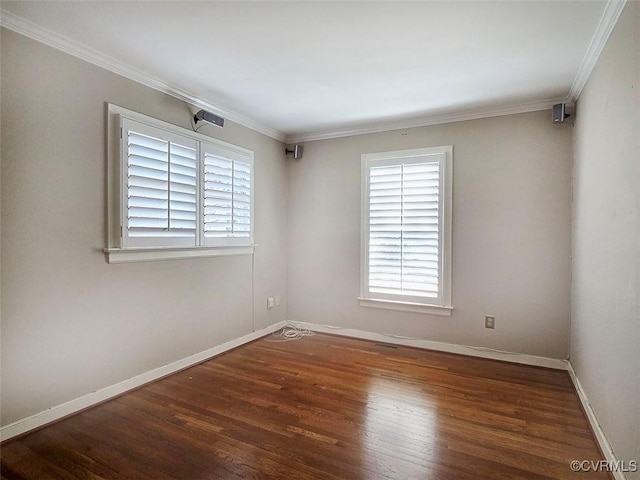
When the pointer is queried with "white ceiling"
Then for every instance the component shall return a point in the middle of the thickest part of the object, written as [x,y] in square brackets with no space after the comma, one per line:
[310,69]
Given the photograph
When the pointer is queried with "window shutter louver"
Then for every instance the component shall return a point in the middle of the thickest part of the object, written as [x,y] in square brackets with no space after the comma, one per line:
[218,195]
[183,190]
[242,199]
[227,197]
[147,177]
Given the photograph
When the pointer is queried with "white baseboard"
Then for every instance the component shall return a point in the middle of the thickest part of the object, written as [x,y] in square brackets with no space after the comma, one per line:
[481,352]
[55,413]
[601,438]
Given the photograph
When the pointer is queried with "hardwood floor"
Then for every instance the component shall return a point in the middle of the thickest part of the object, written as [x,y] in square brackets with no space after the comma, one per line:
[323,407]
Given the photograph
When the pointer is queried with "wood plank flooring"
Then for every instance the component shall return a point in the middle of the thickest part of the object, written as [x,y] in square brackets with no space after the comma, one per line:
[323,407]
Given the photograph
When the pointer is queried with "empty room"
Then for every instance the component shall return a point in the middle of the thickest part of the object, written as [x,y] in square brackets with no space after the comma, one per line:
[320,240]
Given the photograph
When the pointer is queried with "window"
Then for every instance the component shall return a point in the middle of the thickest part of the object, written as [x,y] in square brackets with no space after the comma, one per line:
[406,230]
[227,196]
[175,193]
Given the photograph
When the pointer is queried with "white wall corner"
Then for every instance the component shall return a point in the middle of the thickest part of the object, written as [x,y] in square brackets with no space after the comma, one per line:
[58,412]
[598,433]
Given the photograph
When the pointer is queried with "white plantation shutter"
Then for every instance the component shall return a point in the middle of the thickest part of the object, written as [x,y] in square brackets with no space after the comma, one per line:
[159,187]
[404,226]
[403,232]
[175,193]
[228,196]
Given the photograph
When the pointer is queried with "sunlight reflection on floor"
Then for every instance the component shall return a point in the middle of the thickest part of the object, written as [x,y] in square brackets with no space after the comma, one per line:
[401,424]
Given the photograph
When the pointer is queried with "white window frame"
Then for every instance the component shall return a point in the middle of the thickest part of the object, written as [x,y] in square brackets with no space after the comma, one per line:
[118,249]
[416,304]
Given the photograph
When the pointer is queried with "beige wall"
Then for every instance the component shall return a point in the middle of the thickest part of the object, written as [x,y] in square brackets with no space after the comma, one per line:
[605,323]
[72,323]
[511,234]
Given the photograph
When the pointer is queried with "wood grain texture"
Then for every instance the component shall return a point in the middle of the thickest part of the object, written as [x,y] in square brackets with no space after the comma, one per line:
[323,407]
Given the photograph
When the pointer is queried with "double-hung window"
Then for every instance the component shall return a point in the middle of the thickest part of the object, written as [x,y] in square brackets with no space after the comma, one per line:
[174,193]
[406,230]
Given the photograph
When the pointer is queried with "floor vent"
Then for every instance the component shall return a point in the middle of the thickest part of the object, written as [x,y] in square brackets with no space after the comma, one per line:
[386,345]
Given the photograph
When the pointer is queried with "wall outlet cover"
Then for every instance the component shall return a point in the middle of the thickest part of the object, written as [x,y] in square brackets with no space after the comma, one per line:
[489,321]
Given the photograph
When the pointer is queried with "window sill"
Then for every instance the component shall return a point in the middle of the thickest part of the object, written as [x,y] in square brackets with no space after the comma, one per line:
[129,255]
[406,306]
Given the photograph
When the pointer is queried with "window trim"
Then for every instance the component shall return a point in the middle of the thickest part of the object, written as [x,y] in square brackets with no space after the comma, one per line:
[115,252]
[141,254]
[399,302]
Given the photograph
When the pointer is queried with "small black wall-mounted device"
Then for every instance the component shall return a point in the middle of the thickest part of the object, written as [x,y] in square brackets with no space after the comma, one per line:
[208,117]
[559,113]
[297,151]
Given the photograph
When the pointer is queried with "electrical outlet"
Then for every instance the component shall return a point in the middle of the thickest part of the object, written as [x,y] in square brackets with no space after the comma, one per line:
[270,302]
[277,300]
[489,321]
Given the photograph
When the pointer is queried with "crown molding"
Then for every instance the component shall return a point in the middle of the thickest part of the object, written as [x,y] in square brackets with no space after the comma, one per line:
[608,21]
[428,120]
[71,47]
[610,16]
